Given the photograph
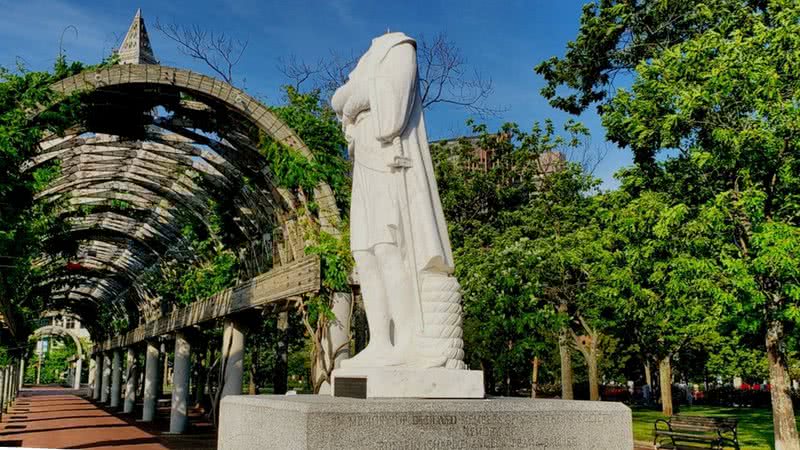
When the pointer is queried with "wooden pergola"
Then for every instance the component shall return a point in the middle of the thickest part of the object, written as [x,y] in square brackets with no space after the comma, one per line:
[158,146]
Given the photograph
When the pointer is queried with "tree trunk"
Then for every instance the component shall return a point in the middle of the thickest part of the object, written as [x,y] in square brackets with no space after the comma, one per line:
[508,369]
[591,363]
[280,374]
[566,365]
[648,377]
[488,376]
[163,368]
[665,377]
[783,419]
[535,376]
[199,380]
[253,369]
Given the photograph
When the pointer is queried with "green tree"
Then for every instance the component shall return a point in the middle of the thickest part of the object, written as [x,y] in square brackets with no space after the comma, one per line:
[515,222]
[667,271]
[29,229]
[315,122]
[718,108]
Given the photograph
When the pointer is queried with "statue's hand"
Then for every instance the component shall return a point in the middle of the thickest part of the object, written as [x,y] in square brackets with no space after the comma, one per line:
[347,128]
[393,152]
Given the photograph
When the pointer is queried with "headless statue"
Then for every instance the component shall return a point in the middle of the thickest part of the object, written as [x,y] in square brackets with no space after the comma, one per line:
[398,234]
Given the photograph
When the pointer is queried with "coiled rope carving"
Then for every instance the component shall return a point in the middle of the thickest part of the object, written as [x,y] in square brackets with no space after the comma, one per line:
[441,312]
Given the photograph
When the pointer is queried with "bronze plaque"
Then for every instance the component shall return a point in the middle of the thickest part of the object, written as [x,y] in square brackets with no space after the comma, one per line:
[350,387]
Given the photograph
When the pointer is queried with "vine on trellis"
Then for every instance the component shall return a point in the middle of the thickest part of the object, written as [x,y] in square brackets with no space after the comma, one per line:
[316,124]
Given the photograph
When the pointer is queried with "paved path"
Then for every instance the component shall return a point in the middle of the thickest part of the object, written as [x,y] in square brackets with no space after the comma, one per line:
[60,418]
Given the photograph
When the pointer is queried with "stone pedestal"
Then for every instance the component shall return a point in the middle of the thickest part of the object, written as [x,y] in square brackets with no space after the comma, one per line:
[394,382]
[306,422]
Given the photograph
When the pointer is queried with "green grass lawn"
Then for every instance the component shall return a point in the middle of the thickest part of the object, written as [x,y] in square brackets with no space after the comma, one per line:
[755,424]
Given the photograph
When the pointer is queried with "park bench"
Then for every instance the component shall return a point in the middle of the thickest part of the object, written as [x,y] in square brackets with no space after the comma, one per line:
[692,432]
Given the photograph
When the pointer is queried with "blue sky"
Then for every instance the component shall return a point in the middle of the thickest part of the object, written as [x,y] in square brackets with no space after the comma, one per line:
[502,39]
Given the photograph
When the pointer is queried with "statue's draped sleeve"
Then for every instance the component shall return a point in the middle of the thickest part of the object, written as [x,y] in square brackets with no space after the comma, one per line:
[393,89]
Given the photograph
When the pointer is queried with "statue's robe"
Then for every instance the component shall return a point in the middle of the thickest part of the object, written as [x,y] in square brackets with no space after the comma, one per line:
[381,110]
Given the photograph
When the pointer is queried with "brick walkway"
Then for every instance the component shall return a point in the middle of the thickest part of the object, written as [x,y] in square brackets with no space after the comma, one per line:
[60,418]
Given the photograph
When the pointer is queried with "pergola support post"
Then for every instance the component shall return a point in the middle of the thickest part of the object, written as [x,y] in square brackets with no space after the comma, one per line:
[116,378]
[78,370]
[21,372]
[105,388]
[14,376]
[98,375]
[2,391]
[180,383]
[8,384]
[232,358]
[6,388]
[130,383]
[150,382]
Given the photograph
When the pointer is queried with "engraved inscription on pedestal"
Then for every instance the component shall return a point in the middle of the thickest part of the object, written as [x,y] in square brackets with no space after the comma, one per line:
[350,387]
[405,424]
[460,431]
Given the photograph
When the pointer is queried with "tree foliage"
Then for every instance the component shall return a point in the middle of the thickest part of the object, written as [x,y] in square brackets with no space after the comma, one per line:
[711,116]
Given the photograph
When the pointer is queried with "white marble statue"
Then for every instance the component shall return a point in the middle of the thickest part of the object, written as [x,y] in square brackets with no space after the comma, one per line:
[398,233]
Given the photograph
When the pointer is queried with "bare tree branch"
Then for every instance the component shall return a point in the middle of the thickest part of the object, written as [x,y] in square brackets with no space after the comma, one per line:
[445,77]
[325,75]
[587,155]
[297,71]
[220,52]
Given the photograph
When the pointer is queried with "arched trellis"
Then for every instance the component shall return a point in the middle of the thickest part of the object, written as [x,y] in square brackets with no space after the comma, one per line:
[149,173]
[56,330]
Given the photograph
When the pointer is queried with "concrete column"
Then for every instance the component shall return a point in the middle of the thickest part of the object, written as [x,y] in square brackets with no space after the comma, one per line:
[12,375]
[14,383]
[14,378]
[21,371]
[2,391]
[164,365]
[116,378]
[105,389]
[8,384]
[92,368]
[130,383]
[150,382]
[180,383]
[78,370]
[232,358]
[98,375]
[6,387]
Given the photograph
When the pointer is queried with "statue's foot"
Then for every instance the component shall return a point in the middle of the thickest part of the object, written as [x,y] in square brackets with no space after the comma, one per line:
[373,356]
